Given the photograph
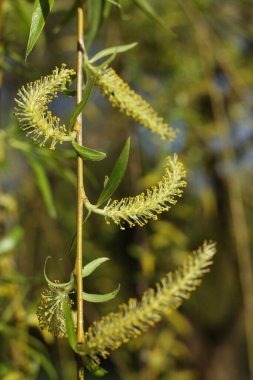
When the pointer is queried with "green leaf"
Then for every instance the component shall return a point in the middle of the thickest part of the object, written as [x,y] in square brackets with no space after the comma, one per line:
[93,265]
[100,297]
[148,9]
[107,7]
[80,106]
[116,175]
[70,327]
[95,9]
[87,153]
[69,284]
[93,367]
[106,62]
[112,50]
[10,241]
[43,185]
[41,10]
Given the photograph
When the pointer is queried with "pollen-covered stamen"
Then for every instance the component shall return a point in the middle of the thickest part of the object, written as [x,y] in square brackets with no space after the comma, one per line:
[133,105]
[32,110]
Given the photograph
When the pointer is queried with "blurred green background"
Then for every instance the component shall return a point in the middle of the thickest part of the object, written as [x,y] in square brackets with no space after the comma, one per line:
[197,73]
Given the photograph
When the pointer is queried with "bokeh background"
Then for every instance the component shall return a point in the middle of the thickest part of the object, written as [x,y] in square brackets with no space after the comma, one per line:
[197,73]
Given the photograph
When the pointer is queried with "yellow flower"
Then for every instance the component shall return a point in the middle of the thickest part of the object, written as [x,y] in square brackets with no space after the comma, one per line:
[135,317]
[50,311]
[133,105]
[138,210]
[32,110]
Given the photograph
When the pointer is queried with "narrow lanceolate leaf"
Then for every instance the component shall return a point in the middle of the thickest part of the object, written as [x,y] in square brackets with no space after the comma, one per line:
[95,10]
[41,10]
[93,265]
[10,241]
[80,106]
[87,153]
[145,6]
[70,327]
[98,298]
[43,185]
[116,174]
[136,317]
[112,50]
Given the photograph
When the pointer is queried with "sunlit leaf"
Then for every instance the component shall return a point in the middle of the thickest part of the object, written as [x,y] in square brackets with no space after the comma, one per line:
[10,241]
[93,265]
[87,153]
[107,61]
[116,175]
[70,283]
[41,10]
[113,50]
[100,297]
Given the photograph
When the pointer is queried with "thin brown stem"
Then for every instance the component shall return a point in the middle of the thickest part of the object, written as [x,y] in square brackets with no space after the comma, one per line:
[80,189]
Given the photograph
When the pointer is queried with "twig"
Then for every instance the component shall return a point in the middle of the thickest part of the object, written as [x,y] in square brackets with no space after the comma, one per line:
[80,189]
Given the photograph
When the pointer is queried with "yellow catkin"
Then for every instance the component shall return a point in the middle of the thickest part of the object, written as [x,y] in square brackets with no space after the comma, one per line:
[133,105]
[139,209]
[136,317]
[32,111]
[50,311]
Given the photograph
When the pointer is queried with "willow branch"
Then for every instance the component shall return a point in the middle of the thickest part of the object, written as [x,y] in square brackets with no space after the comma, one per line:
[80,190]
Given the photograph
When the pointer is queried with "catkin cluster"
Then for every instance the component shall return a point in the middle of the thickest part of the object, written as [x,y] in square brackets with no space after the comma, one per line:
[136,317]
[133,105]
[32,110]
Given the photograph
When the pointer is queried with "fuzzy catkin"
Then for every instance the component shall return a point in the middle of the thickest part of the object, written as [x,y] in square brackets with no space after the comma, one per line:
[32,110]
[139,209]
[133,105]
[50,311]
[136,317]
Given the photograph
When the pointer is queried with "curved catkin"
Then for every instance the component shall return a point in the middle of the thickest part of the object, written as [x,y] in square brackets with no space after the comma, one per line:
[139,209]
[135,317]
[32,110]
[133,105]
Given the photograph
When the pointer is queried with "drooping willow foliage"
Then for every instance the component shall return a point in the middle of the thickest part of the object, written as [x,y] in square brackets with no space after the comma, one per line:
[56,309]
